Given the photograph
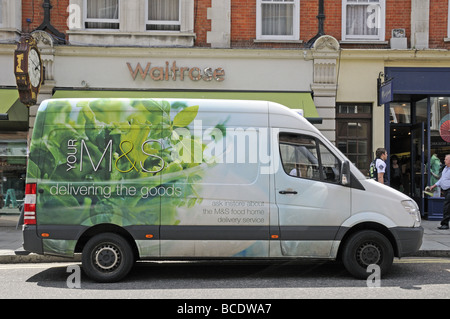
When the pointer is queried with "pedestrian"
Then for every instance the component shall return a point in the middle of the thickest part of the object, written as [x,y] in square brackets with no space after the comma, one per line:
[444,184]
[396,178]
[378,166]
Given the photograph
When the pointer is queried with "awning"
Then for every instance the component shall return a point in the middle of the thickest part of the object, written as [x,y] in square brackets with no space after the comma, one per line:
[13,114]
[7,99]
[293,100]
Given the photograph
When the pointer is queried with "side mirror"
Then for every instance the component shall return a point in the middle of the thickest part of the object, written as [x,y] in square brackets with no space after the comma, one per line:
[345,173]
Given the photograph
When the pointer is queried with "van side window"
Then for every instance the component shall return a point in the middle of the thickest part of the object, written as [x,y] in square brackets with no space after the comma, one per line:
[305,157]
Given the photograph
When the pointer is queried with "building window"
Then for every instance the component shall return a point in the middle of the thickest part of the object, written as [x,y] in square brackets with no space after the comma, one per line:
[354,133]
[363,20]
[101,14]
[10,21]
[278,19]
[163,15]
[448,21]
[1,14]
[159,23]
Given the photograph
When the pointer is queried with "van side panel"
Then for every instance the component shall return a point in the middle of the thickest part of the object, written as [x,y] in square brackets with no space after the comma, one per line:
[183,178]
[85,173]
[227,211]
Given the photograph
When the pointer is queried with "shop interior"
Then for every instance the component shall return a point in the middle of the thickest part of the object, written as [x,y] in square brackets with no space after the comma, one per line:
[418,140]
[13,161]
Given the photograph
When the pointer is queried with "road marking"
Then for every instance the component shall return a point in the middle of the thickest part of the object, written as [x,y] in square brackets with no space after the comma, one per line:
[34,266]
[423,261]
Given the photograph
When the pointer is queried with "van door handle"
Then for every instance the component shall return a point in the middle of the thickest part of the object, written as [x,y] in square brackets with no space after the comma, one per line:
[288,192]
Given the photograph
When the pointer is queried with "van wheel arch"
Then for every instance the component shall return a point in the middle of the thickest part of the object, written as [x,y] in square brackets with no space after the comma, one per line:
[105,228]
[368,226]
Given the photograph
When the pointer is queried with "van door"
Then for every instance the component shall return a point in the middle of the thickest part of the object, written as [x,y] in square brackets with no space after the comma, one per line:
[311,201]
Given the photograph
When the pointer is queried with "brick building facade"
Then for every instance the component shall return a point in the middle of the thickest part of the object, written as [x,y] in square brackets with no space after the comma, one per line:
[243,21]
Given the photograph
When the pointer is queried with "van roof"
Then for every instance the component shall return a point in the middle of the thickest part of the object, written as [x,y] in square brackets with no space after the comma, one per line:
[280,115]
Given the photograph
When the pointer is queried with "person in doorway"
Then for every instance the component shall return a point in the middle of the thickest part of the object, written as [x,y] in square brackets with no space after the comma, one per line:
[444,184]
[396,174]
[379,169]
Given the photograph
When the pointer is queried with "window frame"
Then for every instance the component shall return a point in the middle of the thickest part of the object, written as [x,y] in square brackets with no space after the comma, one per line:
[360,117]
[1,14]
[295,23]
[364,38]
[132,27]
[448,22]
[163,22]
[320,163]
[98,20]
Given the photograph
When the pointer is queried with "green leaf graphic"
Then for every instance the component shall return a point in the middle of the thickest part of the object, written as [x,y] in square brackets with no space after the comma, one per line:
[186,116]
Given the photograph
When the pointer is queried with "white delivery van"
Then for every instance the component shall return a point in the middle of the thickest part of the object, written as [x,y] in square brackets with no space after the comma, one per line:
[126,179]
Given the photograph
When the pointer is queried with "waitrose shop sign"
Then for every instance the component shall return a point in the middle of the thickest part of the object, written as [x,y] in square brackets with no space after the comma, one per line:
[172,72]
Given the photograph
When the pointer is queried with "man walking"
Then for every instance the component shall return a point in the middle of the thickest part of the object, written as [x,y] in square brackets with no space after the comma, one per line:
[378,166]
[444,184]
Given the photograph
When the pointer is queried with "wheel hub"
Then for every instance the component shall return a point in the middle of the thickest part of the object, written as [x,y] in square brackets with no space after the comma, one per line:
[368,254]
[107,257]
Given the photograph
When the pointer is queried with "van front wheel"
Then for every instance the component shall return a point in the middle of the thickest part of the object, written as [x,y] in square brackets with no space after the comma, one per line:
[367,248]
[107,257]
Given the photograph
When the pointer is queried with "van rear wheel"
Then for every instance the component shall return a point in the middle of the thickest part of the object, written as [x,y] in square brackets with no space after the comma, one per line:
[107,257]
[367,248]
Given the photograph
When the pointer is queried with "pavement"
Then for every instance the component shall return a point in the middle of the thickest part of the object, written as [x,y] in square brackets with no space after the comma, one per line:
[436,243]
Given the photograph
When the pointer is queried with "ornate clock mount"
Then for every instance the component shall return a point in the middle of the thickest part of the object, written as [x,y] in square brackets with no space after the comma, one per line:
[28,70]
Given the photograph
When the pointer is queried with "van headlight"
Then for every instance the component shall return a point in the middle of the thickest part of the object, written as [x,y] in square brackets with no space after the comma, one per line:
[413,210]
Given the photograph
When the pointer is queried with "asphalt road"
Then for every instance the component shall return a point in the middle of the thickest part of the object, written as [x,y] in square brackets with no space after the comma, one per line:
[409,278]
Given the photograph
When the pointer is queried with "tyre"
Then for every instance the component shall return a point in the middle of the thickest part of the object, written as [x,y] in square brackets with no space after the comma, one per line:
[107,257]
[366,248]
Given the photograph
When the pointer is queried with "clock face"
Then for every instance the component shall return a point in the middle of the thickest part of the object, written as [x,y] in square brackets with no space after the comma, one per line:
[34,68]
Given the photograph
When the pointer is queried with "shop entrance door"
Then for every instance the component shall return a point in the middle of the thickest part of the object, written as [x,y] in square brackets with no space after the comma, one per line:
[417,163]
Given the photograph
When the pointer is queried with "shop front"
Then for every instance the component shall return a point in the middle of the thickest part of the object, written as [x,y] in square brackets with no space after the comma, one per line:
[417,132]
[13,150]
[185,73]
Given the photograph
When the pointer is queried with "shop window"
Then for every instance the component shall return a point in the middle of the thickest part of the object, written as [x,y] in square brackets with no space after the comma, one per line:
[400,112]
[101,14]
[363,20]
[278,20]
[439,112]
[163,15]
[440,126]
[13,160]
[354,133]
[421,111]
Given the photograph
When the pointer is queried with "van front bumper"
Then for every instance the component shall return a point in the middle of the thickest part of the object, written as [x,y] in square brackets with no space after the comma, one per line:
[409,240]
[31,241]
